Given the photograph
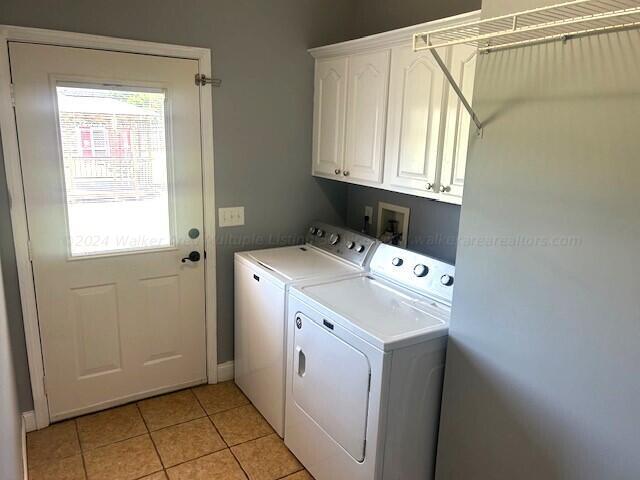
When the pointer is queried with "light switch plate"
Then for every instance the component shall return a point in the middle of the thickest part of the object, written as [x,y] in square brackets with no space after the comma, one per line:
[231,217]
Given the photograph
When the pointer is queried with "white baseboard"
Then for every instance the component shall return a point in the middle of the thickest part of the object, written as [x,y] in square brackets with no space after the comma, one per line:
[25,472]
[225,371]
[29,421]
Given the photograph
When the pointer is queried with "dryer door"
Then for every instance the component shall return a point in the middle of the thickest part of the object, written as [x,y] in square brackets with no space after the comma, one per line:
[331,384]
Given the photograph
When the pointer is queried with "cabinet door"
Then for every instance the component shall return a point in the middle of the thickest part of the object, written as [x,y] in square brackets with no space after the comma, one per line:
[329,110]
[458,126]
[366,116]
[416,102]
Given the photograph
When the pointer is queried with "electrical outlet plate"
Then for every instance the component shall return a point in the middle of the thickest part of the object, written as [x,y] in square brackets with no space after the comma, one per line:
[231,217]
[368,212]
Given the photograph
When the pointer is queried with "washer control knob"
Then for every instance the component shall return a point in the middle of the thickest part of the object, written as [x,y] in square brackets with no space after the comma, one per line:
[360,248]
[320,233]
[312,230]
[334,238]
[397,262]
[446,280]
[350,245]
[420,270]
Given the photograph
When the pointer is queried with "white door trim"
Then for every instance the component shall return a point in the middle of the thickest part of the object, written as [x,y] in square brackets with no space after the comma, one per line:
[9,132]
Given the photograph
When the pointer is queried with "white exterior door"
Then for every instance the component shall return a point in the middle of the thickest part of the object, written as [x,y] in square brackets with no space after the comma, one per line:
[111,162]
[366,116]
[458,126]
[329,110]
[416,96]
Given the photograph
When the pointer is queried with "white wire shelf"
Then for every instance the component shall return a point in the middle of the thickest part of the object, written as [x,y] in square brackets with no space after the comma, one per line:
[562,21]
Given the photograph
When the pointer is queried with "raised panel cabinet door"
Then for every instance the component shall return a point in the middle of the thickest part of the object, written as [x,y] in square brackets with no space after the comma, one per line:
[366,116]
[329,111]
[416,104]
[458,124]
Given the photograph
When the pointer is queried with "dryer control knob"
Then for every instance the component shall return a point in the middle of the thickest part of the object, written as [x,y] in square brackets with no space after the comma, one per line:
[446,280]
[397,262]
[350,245]
[312,230]
[334,238]
[320,233]
[420,270]
[360,248]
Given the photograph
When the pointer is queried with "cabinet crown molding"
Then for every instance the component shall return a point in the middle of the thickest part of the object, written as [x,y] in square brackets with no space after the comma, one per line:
[401,36]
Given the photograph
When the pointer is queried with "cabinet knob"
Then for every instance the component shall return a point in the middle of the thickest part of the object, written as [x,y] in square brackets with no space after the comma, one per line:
[444,189]
[429,186]
[346,173]
[337,170]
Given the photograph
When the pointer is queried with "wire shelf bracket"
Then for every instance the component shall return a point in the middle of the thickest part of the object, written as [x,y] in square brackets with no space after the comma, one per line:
[562,21]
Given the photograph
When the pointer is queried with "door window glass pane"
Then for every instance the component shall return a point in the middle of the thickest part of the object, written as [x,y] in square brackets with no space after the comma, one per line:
[115,168]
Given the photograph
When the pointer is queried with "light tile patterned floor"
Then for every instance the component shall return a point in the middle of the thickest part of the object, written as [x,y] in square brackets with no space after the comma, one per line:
[211,432]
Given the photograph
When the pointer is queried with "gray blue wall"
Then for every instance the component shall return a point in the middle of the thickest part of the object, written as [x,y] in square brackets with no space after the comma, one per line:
[262,115]
[543,367]
[433,227]
[10,414]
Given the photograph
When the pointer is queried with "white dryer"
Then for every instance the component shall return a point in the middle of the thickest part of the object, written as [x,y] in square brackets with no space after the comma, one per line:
[365,369]
[262,280]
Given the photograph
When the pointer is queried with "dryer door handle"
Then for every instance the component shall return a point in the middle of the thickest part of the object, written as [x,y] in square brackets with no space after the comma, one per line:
[300,362]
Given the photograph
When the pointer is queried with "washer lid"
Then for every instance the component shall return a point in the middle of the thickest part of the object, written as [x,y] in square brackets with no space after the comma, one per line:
[301,261]
[380,312]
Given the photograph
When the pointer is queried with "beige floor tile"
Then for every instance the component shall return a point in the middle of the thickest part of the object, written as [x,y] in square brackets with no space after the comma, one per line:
[219,397]
[303,475]
[217,466]
[156,476]
[69,468]
[54,442]
[241,424]
[266,458]
[128,460]
[110,426]
[171,409]
[187,441]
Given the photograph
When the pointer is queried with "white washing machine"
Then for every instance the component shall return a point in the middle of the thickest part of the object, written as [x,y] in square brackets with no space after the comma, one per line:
[262,280]
[365,368]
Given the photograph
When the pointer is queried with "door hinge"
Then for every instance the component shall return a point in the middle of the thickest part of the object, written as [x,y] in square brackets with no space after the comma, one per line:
[44,384]
[12,92]
[202,80]
[369,386]
[30,250]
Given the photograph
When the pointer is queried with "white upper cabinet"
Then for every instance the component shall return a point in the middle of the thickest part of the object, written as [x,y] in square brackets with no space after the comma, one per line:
[329,115]
[416,102]
[385,116]
[454,152]
[366,116]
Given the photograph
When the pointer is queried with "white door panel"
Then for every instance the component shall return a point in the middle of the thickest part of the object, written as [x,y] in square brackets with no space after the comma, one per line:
[458,123]
[331,384]
[111,162]
[416,99]
[366,116]
[329,111]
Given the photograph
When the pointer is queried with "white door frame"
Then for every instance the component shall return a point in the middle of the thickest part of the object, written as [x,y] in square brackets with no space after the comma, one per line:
[9,132]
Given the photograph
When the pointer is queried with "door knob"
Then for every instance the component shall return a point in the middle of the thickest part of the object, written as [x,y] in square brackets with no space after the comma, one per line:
[193,257]
[444,189]
[345,173]
[337,170]
[429,186]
